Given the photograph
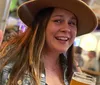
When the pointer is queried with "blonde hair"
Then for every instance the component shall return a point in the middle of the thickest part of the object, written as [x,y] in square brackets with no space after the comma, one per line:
[26,49]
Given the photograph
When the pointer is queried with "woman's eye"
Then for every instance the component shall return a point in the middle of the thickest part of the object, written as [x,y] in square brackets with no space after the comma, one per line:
[58,21]
[72,23]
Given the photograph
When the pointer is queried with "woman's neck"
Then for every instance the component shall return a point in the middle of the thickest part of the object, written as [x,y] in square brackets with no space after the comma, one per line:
[53,68]
[50,60]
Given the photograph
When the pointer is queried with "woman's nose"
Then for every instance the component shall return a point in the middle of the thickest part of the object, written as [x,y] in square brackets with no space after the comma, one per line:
[66,28]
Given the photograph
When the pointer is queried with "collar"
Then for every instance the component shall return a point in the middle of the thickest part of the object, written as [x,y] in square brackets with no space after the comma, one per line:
[63,62]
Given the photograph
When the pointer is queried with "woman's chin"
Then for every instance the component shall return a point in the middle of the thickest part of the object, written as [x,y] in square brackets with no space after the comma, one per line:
[62,51]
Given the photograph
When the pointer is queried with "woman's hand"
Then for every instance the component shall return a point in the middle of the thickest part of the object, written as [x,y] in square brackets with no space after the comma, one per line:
[77,66]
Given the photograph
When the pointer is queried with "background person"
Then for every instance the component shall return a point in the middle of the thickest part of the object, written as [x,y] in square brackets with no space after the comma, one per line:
[92,63]
[78,55]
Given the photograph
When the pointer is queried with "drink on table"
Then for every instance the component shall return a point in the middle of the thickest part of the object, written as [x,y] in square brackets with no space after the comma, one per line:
[79,78]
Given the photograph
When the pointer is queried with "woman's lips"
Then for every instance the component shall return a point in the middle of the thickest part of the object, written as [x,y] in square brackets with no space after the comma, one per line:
[62,40]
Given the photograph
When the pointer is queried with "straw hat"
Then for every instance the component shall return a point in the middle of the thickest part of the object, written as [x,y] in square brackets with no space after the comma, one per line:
[87,20]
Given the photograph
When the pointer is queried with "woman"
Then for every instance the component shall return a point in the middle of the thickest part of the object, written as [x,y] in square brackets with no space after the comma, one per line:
[36,56]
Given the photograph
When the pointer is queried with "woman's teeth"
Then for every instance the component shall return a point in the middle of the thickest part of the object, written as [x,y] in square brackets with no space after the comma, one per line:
[63,38]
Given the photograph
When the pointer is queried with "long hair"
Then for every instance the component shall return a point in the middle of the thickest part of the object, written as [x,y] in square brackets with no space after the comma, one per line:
[70,59]
[26,49]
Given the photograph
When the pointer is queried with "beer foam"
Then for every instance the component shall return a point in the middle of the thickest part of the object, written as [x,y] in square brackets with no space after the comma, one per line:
[84,81]
[84,78]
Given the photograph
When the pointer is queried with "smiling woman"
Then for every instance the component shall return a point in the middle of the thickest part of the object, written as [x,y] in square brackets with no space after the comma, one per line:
[61,29]
[37,56]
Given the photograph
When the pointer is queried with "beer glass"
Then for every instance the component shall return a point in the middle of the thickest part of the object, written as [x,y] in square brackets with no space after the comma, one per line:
[79,78]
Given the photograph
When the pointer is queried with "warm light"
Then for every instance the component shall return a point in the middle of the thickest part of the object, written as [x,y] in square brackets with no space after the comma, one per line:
[88,42]
[98,47]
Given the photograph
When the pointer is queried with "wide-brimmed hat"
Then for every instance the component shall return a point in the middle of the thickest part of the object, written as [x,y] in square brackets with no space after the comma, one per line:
[87,20]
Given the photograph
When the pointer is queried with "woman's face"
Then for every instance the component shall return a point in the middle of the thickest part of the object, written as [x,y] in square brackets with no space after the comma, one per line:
[61,30]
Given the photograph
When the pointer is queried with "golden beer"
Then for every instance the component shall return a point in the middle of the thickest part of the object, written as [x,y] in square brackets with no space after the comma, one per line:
[82,79]
[75,82]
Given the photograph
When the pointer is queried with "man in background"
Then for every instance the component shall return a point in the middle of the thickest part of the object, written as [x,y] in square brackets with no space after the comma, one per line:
[92,63]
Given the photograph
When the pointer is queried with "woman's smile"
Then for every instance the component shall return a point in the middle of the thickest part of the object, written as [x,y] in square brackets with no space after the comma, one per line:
[61,30]
[62,39]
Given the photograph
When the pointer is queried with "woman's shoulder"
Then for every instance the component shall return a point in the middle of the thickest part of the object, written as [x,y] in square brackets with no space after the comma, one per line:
[5,74]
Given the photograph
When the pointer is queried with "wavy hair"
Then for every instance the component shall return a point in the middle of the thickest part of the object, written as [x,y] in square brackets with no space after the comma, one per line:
[26,48]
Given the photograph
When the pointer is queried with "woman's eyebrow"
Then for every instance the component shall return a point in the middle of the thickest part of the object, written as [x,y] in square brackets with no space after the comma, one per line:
[57,15]
[74,18]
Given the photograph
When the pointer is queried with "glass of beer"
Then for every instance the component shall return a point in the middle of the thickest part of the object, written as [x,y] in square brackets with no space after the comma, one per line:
[79,78]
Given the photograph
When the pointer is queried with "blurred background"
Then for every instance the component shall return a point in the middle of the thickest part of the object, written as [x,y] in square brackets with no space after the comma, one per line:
[11,25]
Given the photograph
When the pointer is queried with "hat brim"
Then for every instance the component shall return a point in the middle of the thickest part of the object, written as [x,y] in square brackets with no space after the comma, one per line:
[87,20]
